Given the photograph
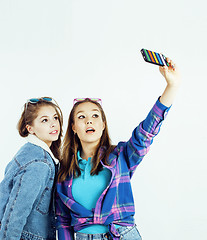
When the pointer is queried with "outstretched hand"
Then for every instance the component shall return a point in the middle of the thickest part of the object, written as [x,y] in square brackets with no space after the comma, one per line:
[171,74]
[173,79]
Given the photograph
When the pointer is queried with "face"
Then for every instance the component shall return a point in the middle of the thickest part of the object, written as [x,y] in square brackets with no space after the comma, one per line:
[46,125]
[88,123]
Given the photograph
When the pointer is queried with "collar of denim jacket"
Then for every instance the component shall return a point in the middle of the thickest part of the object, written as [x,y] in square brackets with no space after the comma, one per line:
[35,140]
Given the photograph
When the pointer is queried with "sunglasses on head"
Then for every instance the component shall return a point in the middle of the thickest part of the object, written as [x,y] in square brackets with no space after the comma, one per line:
[42,99]
[35,100]
[83,99]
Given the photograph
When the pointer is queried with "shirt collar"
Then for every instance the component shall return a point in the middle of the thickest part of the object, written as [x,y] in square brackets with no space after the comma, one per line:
[36,141]
[79,157]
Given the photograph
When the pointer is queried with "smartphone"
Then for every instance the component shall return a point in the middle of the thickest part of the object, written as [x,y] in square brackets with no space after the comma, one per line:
[153,57]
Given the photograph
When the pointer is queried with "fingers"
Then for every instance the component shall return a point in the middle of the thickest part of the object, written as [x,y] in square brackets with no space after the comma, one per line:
[171,63]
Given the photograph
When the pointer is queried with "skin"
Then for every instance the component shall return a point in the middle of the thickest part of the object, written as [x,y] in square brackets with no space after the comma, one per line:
[87,116]
[172,77]
[46,125]
[84,115]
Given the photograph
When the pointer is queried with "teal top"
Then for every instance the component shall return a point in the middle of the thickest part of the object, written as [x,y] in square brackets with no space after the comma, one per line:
[87,189]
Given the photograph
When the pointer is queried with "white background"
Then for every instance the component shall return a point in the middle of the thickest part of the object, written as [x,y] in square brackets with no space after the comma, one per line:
[67,49]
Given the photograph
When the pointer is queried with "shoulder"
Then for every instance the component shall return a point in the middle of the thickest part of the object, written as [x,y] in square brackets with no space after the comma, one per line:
[29,153]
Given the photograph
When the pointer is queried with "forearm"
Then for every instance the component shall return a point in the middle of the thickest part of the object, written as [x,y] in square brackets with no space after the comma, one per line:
[173,79]
[143,135]
[168,95]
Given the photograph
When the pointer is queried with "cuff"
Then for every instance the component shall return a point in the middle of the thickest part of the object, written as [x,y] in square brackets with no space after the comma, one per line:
[160,109]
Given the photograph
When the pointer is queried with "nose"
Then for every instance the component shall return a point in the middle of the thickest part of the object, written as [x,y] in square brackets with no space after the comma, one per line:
[89,122]
[53,123]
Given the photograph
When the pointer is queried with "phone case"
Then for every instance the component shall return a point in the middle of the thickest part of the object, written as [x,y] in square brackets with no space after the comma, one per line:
[153,57]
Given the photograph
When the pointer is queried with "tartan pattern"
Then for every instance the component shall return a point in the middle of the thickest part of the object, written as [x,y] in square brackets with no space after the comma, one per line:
[116,204]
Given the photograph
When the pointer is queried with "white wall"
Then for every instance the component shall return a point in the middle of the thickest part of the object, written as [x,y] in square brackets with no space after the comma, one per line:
[67,49]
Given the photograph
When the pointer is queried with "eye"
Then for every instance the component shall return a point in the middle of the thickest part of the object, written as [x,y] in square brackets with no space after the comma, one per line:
[56,118]
[44,120]
[95,115]
[81,117]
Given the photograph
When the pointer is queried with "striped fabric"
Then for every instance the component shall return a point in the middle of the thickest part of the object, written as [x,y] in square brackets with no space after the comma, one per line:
[115,205]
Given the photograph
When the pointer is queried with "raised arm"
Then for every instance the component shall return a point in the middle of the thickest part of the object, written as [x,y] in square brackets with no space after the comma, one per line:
[172,77]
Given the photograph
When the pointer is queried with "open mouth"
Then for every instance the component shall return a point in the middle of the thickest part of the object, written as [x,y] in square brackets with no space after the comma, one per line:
[54,132]
[90,130]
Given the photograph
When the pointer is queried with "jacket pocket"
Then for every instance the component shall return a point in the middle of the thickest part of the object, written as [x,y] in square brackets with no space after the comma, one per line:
[43,205]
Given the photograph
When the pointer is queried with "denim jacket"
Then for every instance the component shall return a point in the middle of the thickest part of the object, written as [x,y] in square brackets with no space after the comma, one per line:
[26,194]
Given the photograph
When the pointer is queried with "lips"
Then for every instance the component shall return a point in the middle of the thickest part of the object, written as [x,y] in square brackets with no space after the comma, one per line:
[90,130]
[54,132]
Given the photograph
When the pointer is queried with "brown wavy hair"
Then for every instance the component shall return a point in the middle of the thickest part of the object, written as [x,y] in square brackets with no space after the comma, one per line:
[29,114]
[71,145]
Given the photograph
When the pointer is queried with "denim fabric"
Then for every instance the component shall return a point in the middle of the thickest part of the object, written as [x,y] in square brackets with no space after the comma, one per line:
[129,233]
[26,202]
[126,233]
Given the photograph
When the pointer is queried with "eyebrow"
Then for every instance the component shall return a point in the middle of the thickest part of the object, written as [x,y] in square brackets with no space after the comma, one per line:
[48,116]
[93,110]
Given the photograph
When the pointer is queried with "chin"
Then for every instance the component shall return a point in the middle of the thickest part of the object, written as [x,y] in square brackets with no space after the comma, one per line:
[55,139]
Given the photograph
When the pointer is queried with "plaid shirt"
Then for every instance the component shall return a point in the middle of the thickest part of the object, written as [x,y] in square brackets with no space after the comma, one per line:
[116,204]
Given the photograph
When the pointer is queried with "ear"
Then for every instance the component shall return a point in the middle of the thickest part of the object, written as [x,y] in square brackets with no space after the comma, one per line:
[104,125]
[30,129]
[73,128]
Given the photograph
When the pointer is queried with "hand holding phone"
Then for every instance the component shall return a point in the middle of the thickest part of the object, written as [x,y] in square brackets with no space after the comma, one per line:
[154,57]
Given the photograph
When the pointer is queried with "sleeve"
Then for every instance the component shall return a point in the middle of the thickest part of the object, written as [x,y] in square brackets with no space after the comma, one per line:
[63,225]
[142,137]
[27,185]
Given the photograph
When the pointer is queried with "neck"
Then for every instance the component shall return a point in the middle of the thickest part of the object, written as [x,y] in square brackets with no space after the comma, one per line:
[88,150]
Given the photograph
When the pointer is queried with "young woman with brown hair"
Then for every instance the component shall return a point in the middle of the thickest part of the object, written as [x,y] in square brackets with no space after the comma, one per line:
[27,190]
[94,195]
